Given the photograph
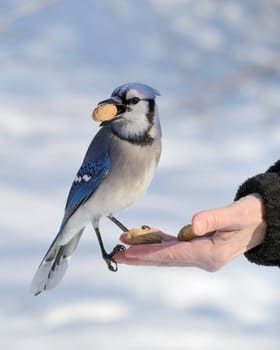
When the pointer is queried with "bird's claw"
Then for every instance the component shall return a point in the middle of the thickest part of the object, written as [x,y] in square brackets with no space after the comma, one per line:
[118,248]
[111,263]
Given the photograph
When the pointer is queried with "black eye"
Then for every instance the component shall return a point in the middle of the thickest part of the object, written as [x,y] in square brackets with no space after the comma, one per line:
[133,101]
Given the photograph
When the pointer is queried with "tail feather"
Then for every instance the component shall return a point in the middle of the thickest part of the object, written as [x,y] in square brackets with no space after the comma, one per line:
[54,265]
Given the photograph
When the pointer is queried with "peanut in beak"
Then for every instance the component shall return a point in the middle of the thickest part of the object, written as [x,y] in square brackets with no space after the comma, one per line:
[104,112]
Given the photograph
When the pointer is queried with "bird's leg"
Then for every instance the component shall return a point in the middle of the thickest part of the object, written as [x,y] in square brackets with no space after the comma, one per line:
[111,263]
[118,223]
[122,227]
[118,247]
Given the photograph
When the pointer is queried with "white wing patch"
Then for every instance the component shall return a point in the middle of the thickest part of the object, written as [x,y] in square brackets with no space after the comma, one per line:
[79,179]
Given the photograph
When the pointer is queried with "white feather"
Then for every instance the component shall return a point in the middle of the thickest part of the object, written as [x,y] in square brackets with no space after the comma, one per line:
[45,278]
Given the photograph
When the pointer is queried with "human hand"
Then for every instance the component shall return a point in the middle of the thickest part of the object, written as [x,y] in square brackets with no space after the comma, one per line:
[238,227]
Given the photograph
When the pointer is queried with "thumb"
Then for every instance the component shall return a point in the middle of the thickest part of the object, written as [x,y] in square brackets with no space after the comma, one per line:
[213,220]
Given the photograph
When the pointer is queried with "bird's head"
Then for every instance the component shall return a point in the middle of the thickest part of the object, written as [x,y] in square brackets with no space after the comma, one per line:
[134,115]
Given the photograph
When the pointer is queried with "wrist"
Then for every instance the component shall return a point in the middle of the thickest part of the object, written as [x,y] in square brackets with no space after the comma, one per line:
[265,190]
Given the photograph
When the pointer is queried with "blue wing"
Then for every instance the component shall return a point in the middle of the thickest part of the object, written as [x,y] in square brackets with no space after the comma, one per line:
[94,169]
[87,180]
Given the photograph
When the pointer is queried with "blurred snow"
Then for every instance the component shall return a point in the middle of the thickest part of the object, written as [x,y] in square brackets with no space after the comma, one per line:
[216,64]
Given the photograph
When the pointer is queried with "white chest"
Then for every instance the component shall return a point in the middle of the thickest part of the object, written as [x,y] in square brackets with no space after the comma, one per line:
[132,170]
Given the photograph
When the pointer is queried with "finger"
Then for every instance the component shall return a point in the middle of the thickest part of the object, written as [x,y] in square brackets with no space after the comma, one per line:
[198,252]
[164,254]
[138,255]
[133,261]
[215,219]
[248,210]
[121,258]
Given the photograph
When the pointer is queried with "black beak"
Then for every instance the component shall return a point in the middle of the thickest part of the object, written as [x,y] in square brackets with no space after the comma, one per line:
[108,101]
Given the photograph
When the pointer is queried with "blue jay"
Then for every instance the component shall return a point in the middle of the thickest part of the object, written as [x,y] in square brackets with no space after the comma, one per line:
[117,169]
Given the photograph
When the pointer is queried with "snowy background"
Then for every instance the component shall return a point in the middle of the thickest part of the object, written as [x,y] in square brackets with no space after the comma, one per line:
[216,64]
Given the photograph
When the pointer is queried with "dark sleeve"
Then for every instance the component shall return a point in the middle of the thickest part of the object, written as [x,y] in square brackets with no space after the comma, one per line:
[268,186]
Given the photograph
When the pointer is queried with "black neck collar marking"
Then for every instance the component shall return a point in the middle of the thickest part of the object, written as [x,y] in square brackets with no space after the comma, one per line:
[141,140]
